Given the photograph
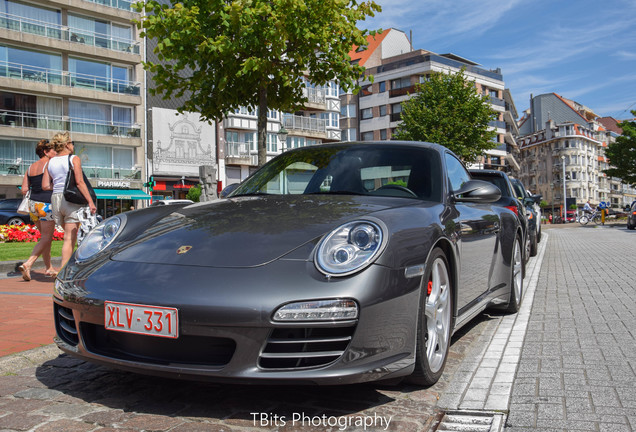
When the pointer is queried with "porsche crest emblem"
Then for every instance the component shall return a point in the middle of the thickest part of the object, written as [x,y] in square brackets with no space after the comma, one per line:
[183,249]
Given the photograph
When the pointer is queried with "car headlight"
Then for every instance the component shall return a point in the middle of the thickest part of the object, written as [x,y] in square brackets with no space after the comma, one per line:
[349,248]
[99,238]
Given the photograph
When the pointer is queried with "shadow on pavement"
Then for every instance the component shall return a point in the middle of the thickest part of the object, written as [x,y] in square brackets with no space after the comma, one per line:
[79,381]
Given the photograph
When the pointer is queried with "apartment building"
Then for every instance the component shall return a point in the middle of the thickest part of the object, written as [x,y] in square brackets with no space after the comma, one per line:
[375,112]
[74,65]
[563,143]
[317,122]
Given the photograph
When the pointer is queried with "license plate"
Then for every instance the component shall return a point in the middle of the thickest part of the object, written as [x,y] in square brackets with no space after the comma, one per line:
[141,319]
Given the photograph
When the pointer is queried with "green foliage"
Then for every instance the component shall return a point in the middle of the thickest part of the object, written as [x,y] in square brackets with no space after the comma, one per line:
[22,251]
[226,54]
[543,203]
[194,193]
[622,154]
[398,183]
[447,110]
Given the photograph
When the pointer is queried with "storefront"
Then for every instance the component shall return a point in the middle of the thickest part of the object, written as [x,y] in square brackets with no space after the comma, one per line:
[166,188]
[114,197]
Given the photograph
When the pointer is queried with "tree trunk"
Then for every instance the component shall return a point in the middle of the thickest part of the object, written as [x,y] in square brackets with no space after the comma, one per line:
[262,125]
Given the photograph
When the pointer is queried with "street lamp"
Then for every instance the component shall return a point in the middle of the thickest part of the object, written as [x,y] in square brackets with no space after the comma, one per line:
[565,201]
[282,134]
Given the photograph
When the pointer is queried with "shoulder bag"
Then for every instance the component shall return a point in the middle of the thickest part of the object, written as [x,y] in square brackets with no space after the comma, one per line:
[71,192]
[23,208]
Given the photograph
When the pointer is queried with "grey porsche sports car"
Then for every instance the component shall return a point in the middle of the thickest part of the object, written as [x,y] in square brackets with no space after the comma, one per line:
[332,264]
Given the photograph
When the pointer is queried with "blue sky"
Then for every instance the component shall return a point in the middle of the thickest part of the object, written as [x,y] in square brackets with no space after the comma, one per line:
[583,50]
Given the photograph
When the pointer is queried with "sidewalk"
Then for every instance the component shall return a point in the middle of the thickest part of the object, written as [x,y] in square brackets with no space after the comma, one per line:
[26,311]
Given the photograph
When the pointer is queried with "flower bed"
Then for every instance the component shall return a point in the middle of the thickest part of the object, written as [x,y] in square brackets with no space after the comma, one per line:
[24,233]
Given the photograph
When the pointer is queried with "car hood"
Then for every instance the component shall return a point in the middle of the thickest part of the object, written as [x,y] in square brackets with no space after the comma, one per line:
[246,231]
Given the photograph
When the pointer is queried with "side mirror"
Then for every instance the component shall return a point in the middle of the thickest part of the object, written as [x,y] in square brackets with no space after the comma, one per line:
[228,190]
[529,201]
[477,191]
[537,198]
[627,208]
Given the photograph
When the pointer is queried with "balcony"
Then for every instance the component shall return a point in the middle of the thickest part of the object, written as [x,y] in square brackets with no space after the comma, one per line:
[304,124]
[402,91]
[19,119]
[238,153]
[118,4]
[68,79]
[9,166]
[316,98]
[56,31]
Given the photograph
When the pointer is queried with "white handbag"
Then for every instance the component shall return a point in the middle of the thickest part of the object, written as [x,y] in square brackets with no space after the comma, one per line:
[23,208]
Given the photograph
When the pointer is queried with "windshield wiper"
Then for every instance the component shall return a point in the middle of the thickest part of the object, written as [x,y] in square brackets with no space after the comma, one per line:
[336,193]
[250,194]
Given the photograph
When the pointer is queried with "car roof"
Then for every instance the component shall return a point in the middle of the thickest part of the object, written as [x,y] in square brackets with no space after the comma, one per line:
[489,172]
[416,144]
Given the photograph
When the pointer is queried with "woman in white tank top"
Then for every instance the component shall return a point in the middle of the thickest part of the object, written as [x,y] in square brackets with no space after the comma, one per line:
[66,213]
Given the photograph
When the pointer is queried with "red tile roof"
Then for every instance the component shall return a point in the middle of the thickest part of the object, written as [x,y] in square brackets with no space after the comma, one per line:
[373,42]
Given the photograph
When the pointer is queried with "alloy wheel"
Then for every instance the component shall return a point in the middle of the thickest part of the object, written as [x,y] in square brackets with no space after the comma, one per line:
[438,316]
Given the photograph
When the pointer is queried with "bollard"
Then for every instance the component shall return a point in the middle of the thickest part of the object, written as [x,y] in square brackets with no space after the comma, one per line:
[603,217]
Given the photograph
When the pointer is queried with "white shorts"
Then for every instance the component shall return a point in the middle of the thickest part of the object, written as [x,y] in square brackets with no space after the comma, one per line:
[63,211]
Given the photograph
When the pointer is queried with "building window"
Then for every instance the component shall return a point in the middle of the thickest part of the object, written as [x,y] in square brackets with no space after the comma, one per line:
[382,86]
[382,110]
[366,113]
[366,136]
[400,83]
[348,134]
[383,134]
[348,111]
[272,143]
[396,108]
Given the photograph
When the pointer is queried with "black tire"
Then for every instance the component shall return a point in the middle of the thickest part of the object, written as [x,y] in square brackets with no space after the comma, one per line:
[533,245]
[516,278]
[630,227]
[539,233]
[15,221]
[436,312]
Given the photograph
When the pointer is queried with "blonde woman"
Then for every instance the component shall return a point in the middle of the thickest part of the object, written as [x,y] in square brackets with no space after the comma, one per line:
[39,209]
[66,213]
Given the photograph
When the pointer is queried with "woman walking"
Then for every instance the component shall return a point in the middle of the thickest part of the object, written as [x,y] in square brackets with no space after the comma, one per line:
[39,210]
[66,213]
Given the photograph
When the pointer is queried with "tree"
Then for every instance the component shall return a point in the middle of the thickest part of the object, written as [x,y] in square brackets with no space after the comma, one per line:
[447,110]
[194,193]
[226,54]
[622,154]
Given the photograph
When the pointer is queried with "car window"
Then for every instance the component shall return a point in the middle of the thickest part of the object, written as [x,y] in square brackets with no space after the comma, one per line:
[518,188]
[457,173]
[8,205]
[497,180]
[408,172]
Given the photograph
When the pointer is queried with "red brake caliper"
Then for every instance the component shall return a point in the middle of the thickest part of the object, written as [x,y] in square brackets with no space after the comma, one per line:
[430,287]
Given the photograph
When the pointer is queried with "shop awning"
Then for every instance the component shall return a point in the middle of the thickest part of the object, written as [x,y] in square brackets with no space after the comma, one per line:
[126,194]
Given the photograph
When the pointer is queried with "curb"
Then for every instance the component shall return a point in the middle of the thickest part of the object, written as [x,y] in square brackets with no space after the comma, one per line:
[10,268]
[12,363]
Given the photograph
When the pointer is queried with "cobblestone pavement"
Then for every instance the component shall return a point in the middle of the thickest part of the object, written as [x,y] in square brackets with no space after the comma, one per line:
[577,370]
[43,390]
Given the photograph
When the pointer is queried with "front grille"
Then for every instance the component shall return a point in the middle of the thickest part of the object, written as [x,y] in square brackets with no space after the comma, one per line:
[190,350]
[299,348]
[65,324]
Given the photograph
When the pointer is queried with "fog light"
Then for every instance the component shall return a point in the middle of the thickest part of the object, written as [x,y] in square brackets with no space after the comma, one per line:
[320,310]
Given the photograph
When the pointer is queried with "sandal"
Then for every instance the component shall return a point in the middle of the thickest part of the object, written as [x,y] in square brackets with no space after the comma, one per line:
[51,273]
[26,272]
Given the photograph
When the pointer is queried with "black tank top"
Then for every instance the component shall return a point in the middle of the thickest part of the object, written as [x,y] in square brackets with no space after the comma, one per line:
[37,193]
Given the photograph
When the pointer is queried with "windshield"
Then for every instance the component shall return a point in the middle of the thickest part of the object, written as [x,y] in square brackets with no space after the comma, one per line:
[380,170]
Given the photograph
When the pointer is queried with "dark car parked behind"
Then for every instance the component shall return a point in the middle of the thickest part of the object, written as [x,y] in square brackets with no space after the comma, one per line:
[631,216]
[509,200]
[529,201]
[9,212]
